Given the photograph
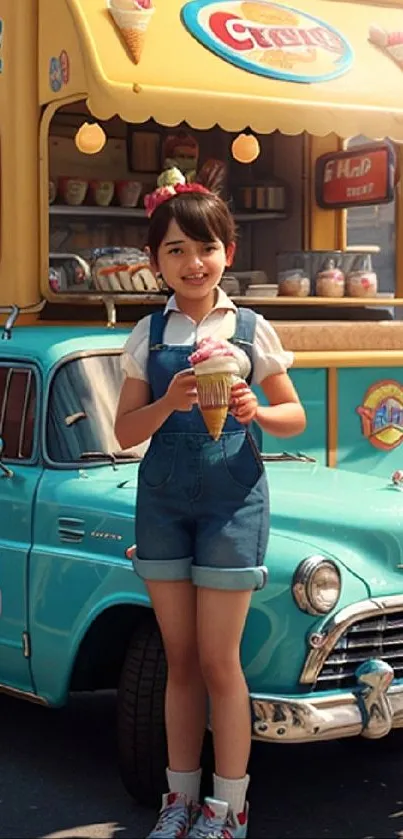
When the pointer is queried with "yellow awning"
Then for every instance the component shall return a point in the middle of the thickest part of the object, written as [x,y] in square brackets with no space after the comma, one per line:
[187,75]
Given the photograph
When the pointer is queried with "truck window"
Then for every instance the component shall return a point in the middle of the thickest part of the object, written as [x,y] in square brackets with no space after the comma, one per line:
[82,405]
[375,226]
[17,411]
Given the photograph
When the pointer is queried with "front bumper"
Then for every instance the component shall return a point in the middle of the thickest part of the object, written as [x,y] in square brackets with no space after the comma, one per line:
[372,710]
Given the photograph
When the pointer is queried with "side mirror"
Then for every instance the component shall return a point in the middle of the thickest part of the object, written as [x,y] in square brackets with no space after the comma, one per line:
[7,473]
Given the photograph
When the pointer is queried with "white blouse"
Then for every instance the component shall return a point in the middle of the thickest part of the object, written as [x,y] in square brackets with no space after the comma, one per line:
[268,355]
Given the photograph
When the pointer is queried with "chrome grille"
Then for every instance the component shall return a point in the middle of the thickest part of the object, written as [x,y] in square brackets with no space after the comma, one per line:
[380,636]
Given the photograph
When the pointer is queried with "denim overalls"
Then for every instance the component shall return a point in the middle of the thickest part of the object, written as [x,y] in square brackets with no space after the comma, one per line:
[202,506]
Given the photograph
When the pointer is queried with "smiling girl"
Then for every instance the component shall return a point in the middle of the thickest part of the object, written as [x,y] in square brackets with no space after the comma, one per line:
[202,517]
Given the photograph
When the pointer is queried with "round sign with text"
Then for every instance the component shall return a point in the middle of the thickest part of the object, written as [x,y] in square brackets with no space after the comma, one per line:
[269,39]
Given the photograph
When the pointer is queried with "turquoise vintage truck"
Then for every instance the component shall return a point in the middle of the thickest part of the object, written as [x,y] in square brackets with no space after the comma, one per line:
[270,97]
[323,645]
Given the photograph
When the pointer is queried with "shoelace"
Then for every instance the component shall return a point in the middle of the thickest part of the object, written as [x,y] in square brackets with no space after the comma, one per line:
[172,819]
[211,828]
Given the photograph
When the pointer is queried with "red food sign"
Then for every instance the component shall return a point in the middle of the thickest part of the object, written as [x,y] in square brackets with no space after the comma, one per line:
[361,176]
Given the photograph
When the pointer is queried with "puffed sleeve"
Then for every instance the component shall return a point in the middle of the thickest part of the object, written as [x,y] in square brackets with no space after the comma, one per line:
[269,357]
[135,351]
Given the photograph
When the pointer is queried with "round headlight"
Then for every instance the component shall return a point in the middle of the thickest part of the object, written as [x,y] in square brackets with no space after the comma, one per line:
[316,585]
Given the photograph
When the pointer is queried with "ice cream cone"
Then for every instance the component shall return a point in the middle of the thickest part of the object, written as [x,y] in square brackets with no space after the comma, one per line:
[214,394]
[217,365]
[132,25]
[390,42]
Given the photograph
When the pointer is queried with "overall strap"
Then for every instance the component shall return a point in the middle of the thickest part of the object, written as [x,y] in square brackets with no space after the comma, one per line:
[245,326]
[245,334]
[157,328]
[244,337]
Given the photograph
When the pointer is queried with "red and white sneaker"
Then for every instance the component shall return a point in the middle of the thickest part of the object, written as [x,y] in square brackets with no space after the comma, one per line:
[175,819]
[217,822]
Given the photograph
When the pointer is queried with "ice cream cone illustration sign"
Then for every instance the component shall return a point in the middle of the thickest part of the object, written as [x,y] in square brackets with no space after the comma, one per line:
[382,415]
[132,18]
[269,39]
[391,43]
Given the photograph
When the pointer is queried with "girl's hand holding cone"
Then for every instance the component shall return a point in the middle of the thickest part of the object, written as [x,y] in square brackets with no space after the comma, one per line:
[182,392]
[244,404]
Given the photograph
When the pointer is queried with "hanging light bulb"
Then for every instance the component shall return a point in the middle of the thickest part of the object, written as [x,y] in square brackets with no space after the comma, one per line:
[245,148]
[90,138]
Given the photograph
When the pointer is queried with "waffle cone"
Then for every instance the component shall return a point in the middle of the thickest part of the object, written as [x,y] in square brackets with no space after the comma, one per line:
[214,394]
[134,40]
[214,419]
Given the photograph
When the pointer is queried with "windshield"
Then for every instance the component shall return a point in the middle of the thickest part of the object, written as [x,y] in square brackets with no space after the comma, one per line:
[81,414]
[82,406]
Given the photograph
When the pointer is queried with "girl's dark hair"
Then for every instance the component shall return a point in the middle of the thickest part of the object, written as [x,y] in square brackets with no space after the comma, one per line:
[201,216]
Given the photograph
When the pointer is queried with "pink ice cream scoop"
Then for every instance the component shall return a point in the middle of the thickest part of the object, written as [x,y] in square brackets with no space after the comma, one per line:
[211,348]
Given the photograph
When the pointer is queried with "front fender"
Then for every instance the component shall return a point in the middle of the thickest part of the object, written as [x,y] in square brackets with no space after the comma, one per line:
[66,600]
[275,641]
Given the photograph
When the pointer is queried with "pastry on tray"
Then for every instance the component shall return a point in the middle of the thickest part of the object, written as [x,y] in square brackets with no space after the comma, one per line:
[123,270]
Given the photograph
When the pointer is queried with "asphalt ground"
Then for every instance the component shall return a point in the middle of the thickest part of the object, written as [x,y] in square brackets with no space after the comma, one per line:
[59,778]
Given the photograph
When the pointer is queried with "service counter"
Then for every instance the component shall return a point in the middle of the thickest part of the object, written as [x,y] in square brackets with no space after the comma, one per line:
[349,375]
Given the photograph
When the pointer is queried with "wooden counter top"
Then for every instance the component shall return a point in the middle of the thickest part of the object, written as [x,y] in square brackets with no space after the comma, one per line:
[339,336]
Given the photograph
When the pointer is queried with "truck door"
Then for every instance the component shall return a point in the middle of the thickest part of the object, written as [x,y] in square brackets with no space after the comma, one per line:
[20,471]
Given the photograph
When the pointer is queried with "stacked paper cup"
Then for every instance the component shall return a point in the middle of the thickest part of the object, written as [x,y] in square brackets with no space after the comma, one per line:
[132,17]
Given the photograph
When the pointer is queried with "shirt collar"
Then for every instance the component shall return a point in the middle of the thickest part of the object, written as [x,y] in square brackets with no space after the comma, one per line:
[222,302]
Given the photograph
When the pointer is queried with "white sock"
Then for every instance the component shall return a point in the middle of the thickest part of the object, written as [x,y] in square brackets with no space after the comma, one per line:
[188,783]
[233,791]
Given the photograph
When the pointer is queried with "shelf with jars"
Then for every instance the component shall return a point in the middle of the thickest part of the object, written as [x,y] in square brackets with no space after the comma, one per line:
[85,211]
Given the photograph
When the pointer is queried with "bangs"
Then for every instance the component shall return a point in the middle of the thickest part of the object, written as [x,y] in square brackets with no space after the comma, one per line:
[202,217]
[199,219]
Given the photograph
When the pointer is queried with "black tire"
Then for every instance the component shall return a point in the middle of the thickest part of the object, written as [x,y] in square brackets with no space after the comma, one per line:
[142,750]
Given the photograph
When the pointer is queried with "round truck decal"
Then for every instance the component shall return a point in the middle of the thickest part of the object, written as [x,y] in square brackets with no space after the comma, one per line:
[382,414]
[269,39]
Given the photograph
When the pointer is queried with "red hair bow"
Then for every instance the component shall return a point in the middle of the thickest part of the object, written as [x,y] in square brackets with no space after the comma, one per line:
[164,193]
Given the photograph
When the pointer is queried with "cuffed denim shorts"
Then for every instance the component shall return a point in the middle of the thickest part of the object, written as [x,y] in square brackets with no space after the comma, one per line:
[202,511]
